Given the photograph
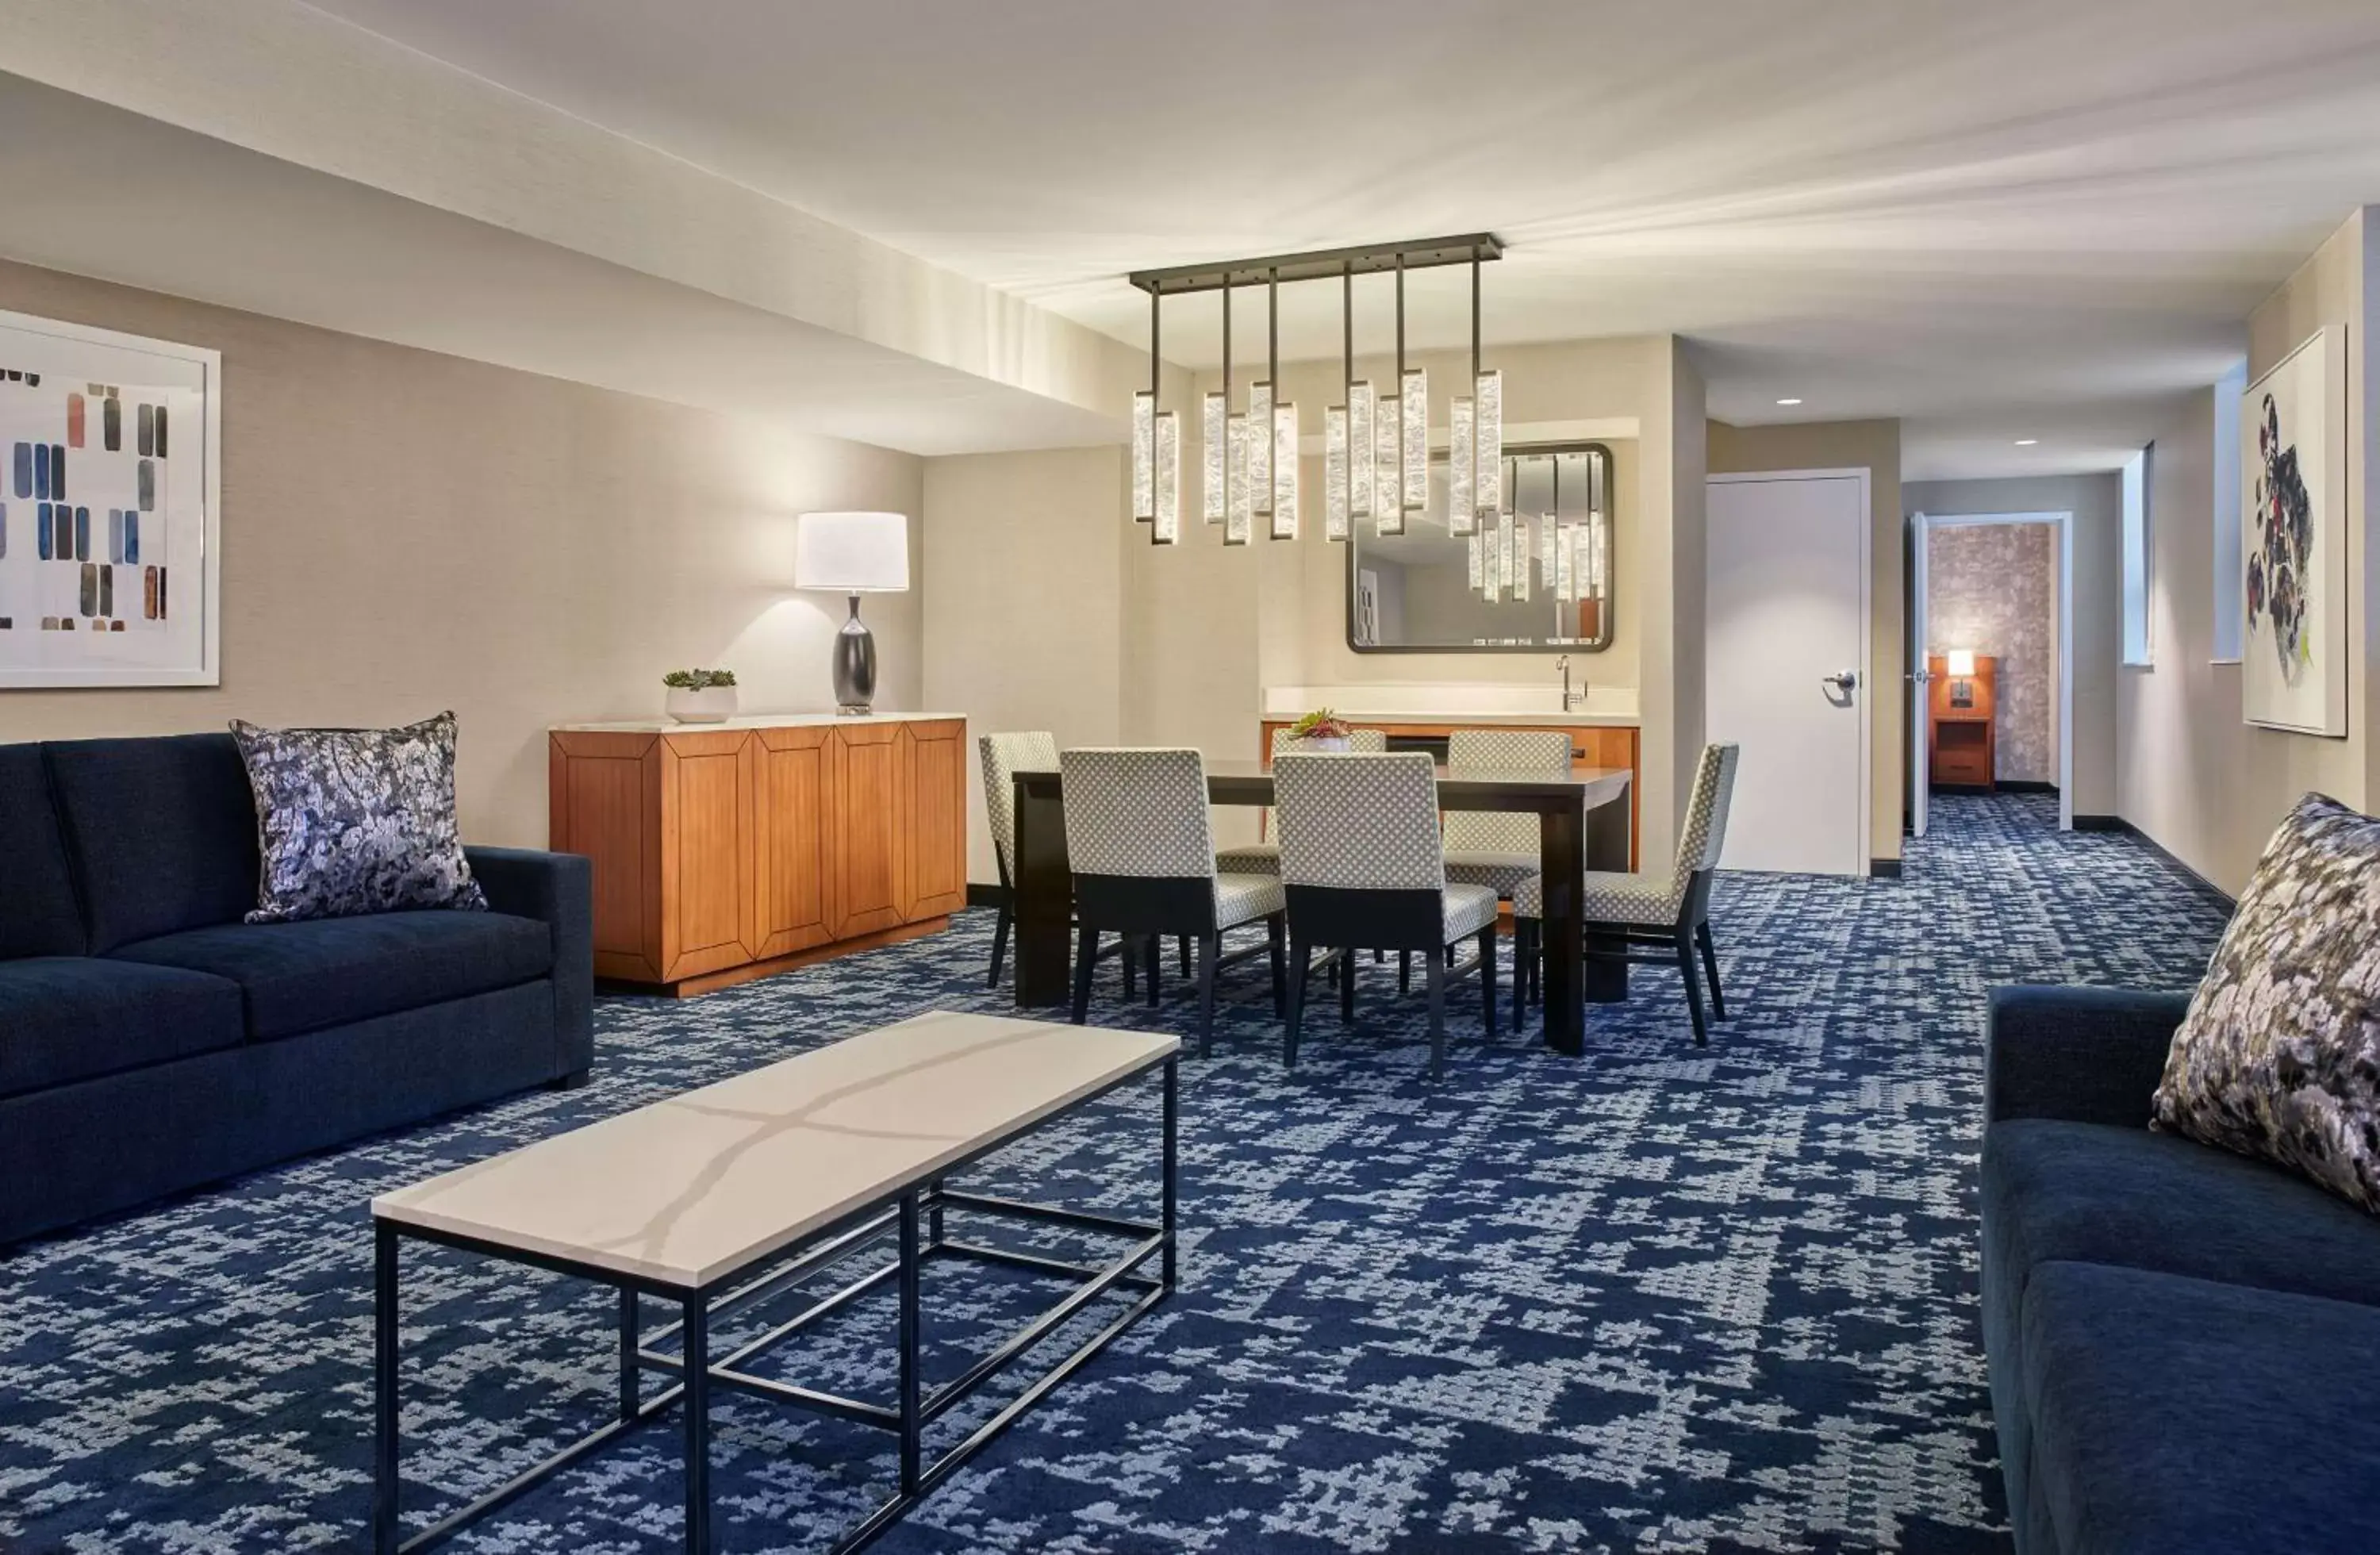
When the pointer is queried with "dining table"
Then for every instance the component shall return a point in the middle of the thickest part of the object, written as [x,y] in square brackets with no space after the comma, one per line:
[1582,823]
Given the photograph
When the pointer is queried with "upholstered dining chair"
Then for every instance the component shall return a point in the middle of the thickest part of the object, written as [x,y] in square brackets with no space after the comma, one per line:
[1143,855]
[1004,756]
[1652,919]
[1362,866]
[1498,848]
[1264,858]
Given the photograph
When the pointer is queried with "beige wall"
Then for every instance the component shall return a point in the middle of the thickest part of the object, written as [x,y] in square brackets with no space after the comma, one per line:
[1875,447]
[2193,777]
[405,532]
[1025,625]
[2097,502]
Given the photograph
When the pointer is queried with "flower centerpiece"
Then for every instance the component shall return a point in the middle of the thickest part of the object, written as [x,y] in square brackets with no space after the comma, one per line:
[700,696]
[1322,730]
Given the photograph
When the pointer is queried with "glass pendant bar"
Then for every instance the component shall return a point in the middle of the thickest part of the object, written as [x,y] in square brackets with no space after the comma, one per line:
[1359,441]
[1260,450]
[1284,471]
[1548,529]
[1144,456]
[1413,405]
[1523,556]
[1165,520]
[1214,493]
[1236,523]
[1335,474]
[1488,438]
[1478,545]
[1388,483]
[1504,552]
[1461,464]
[1565,555]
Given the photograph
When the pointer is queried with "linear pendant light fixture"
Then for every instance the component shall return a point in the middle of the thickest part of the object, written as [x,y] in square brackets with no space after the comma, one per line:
[1376,447]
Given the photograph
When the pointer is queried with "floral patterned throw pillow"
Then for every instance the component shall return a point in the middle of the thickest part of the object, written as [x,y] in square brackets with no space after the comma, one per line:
[356,821]
[2279,1055]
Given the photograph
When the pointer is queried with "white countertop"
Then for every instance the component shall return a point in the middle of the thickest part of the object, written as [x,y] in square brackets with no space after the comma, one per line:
[1535,702]
[1550,717]
[749,721]
[686,1190]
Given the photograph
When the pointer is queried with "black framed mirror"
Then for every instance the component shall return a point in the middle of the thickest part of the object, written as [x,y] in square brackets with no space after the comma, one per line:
[1540,579]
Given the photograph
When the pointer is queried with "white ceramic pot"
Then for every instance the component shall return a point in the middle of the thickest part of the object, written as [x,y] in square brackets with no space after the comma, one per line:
[1316,744]
[712,704]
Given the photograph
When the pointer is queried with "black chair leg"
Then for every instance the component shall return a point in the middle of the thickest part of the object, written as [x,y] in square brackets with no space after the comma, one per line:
[1693,985]
[1277,948]
[1300,954]
[1434,976]
[1154,955]
[1347,988]
[1524,933]
[1184,939]
[999,945]
[1211,950]
[1085,959]
[1404,971]
[1128,952]
[1711,964]
[1488,976]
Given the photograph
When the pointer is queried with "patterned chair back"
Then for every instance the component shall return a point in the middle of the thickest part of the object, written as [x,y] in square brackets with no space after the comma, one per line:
[1359,823]
[1360,742]
[1506,750]
[1139,813]
[1705,833]
[1005,756]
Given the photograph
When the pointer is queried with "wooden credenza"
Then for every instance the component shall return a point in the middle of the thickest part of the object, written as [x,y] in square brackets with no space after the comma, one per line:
[726,852]
[1592,745]
[1962,724]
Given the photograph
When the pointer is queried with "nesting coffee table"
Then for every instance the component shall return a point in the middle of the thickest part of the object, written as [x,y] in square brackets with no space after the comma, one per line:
[730,1194]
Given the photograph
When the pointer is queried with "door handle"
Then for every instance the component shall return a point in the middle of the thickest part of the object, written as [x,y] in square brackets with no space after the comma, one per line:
[1841,680]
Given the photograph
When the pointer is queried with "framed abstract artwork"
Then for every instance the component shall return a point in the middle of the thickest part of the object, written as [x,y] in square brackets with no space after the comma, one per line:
[2293,540]
[110,520]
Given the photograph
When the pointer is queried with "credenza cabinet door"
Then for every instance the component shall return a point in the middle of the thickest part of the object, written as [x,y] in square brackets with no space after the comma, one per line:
[709,833]
[868,821]
[794,801]
[936,839]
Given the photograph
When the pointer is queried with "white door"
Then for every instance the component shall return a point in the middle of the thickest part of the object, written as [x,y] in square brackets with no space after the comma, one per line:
[1787,667]
[1920,680]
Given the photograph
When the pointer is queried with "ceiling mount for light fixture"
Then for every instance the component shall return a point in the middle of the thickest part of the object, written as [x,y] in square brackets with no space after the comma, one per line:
[2026,441]
[1789,402]
[1376,447]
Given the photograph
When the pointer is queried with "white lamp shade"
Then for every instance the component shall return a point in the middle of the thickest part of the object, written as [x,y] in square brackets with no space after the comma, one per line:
[851,553]
[1960,663]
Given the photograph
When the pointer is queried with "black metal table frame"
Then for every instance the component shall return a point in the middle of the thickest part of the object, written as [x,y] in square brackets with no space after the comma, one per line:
[916,1215]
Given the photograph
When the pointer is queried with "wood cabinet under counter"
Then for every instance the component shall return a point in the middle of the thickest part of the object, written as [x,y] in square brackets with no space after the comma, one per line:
[726,852]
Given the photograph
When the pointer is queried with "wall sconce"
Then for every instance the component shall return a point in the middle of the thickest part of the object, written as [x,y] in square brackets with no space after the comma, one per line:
[1959,665]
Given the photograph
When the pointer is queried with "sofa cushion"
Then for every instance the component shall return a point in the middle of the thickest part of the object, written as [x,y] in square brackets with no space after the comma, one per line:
[303,976]
[2279,1056]
[68,1019]
[2093,1193]
[39,915]
[2184,1416]
[162,833]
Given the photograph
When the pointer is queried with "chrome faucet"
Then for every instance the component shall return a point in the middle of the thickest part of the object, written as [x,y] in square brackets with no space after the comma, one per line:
[1570,698]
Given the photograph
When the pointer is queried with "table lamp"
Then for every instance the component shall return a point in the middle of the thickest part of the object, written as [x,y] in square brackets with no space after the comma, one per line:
[852,554]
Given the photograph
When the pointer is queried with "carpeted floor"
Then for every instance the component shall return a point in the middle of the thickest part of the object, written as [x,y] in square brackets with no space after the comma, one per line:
[1658,1299]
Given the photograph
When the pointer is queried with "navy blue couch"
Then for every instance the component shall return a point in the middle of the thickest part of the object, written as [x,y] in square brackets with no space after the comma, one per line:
[2183,1344]
[151,1041]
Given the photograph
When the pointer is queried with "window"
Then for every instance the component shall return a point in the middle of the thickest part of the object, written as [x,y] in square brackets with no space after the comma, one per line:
[2136,557]
[2225,571]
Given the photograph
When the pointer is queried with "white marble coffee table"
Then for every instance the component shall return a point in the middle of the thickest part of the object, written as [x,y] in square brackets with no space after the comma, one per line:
[769,1178]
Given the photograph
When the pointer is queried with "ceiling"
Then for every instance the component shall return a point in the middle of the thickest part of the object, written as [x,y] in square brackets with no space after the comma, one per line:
[2032,218]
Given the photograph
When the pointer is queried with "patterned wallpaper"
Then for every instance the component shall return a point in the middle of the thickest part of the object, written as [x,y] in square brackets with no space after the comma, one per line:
[1992,587]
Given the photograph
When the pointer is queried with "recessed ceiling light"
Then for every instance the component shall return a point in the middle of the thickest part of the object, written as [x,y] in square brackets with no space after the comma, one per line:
[2026,441]
[1789,402]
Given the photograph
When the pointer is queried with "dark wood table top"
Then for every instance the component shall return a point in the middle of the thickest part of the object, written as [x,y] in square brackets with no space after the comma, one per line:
[1459,788]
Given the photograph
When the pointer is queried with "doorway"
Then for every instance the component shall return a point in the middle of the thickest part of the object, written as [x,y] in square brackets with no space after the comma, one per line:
[1786,673]
[2013,643]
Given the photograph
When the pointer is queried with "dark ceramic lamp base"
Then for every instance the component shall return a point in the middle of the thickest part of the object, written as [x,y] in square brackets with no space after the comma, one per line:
[855,666]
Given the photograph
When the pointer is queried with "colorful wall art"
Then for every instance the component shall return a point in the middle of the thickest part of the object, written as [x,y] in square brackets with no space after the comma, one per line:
[109,536]
[2293,540]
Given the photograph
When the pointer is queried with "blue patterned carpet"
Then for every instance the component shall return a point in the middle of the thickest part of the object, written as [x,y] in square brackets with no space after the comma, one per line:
[1658,1299]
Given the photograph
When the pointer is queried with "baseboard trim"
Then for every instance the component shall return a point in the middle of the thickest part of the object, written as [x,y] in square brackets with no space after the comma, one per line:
[982,895]
[2026,785]
[2118,823]
[1884,869]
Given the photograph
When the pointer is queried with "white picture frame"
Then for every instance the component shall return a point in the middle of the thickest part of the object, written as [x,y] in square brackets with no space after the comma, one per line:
[127,485]
[2293,541]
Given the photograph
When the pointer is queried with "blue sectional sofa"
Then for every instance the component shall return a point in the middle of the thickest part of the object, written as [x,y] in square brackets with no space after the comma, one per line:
[2183,1344]
[151,1041]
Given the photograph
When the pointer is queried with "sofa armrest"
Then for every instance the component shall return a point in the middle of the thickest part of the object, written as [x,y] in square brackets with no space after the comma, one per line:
[2081,1054]
[558,889]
